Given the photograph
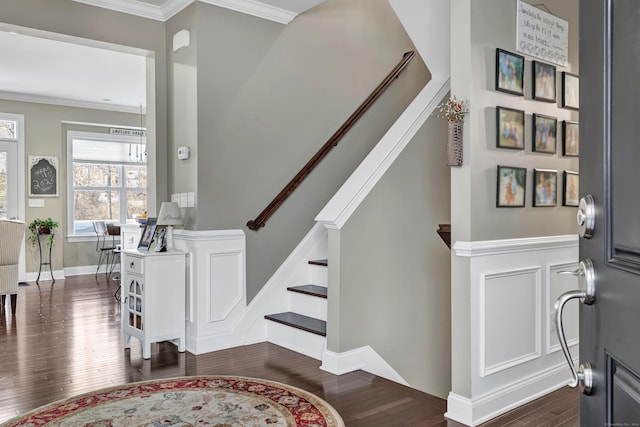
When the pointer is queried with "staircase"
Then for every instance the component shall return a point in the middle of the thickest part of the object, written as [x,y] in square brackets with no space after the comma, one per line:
[304,327]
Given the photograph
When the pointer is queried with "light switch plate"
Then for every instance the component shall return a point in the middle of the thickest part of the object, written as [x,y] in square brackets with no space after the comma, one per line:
[36,203]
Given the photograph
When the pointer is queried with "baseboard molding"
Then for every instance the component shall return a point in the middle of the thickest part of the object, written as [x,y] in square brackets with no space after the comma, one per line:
[475,411]
[45,276]
[364,358]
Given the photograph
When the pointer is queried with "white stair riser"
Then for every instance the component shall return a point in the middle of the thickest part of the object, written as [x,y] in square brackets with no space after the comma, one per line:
[318,275]
[308,305]
[297,340]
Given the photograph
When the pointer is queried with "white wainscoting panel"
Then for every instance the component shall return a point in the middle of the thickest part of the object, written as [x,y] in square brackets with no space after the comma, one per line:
[513,285]
[226,270]
[216,287]
[509,313]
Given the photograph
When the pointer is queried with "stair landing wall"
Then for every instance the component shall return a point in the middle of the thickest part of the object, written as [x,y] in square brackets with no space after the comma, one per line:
[389,270]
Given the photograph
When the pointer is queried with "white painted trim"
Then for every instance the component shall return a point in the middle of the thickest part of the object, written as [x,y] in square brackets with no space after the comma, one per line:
[507,246]
[39,99]
[336,213]
[257,9]
[144,10]
[173,7]
[80,270]
[473,412]
[364,358]
[45,275]
[536,354]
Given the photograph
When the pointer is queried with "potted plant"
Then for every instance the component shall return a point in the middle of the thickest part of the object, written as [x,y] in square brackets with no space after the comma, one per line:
[42,226]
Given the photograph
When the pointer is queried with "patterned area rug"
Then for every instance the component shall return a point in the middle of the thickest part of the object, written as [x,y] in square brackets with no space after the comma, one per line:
[212,401]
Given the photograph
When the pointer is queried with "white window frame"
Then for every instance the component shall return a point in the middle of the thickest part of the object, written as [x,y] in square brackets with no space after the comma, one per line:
[93,136]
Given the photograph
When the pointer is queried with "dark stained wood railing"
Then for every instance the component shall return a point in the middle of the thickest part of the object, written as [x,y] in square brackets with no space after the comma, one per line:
[261,219]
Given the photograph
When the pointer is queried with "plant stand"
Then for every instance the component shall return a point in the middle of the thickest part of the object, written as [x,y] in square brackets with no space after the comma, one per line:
[44,261]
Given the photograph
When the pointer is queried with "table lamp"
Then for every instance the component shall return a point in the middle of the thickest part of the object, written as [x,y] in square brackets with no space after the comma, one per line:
[169,215]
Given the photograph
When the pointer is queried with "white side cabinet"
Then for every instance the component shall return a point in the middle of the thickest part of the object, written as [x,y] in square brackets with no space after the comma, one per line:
[153,298]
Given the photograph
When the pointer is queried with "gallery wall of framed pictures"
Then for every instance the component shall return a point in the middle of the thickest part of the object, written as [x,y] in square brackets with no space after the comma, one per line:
[549,135]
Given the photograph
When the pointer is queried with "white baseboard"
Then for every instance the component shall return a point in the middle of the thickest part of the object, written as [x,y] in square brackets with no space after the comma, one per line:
[364,358]
[45,275]
[475,411]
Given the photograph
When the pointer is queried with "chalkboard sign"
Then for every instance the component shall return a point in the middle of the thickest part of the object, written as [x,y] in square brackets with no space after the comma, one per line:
[43,176]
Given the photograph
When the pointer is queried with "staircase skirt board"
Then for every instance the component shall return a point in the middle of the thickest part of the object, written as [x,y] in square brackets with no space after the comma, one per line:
[298,321]
[313,290]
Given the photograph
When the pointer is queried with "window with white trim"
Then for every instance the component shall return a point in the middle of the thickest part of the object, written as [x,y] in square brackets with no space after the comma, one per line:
[107,179]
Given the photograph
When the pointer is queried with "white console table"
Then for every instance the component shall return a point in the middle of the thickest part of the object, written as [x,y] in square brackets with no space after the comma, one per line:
[153,298]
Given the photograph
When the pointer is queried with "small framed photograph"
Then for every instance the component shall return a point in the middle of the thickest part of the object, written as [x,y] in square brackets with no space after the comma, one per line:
[571,190]
[544,82]
[509,72]
[511,187]
[570,138]
[544,133]
[148,233]
[570,91]
[545,187]
[509,128]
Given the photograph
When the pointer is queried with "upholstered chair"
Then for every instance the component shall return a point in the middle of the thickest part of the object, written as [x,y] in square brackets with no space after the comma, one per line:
[11,238]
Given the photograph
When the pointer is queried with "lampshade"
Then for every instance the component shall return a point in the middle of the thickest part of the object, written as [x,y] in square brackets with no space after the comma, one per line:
[169,214]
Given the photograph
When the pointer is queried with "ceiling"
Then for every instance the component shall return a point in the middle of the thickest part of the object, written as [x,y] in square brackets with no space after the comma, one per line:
[60,70]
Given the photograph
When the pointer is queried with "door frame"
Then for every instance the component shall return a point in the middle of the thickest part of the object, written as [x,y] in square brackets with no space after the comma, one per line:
[20,184]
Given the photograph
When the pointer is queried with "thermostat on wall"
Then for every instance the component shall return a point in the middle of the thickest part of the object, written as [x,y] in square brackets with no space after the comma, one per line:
[183,153]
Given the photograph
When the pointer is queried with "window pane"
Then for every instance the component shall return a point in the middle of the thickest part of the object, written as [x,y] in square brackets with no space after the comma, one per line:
[8,129]
[136,203]
[96,205]
[136,176]
[95,175]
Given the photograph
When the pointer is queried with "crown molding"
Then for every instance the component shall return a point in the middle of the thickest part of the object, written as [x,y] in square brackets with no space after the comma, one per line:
[38,99]
[271,10]
[131,7]
[257,9]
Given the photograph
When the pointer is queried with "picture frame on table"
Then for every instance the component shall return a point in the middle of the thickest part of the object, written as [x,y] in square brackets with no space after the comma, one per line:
[544,81]
[544,135]
[147,236]
[545,187]
[570,138]
[571,188]
[509,128]
[570,91]
[511,186]
[509,72]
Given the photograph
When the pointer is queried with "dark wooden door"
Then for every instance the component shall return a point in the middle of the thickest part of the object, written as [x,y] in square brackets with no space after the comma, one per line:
[610,172]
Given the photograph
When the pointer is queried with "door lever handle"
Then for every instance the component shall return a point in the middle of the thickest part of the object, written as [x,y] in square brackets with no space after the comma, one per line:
[586,274]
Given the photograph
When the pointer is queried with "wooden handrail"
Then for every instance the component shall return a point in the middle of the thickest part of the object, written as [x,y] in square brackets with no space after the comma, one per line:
[261,219]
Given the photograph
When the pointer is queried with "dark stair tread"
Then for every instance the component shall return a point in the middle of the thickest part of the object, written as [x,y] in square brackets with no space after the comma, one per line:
[313,290]
[324,262]
[298,321]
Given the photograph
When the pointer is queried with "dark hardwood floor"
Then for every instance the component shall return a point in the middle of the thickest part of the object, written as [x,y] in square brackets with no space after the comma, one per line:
[65,340]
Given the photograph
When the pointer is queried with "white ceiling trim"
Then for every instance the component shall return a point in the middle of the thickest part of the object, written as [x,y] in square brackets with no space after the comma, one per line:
[39,99]
[172,7]
[131,7]
[257,9]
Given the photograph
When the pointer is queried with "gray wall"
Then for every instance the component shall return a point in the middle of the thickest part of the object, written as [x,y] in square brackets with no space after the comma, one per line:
[493,25]
[392,290]
[269,96]
[46,135]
